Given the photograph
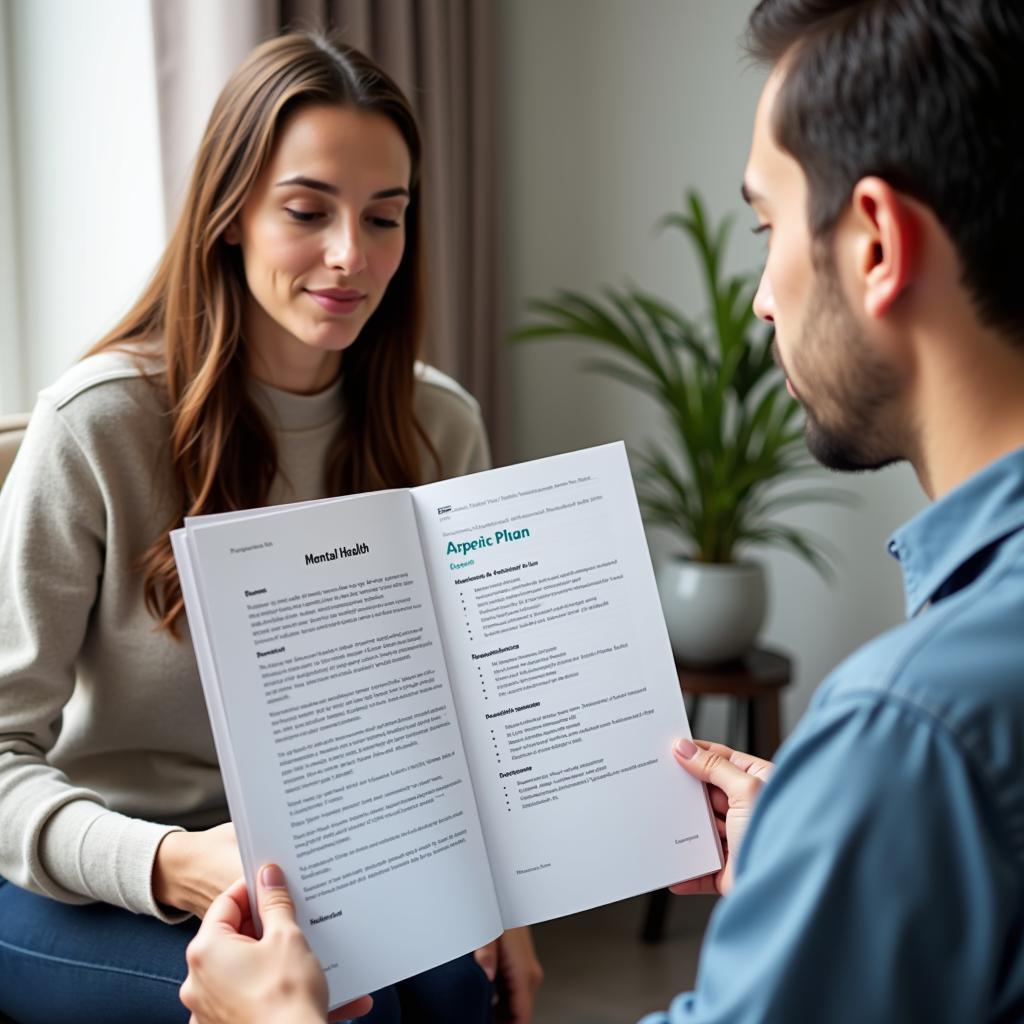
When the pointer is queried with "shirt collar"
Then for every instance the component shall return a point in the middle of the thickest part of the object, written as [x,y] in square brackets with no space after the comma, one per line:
[938,541]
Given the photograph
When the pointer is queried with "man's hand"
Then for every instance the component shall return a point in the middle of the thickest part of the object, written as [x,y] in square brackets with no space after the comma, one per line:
[192,869]
[234,978]
[734,780]
[511,963]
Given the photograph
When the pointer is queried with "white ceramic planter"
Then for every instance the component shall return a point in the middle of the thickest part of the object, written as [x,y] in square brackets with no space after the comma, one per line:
[713,612]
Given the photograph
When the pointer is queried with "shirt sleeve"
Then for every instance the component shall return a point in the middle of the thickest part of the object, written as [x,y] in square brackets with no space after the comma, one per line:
[56,838]
[872,884]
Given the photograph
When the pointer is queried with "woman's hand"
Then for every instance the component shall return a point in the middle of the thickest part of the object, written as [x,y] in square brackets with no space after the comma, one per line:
[233,978]
[734,780]
[511,963]
[192,869]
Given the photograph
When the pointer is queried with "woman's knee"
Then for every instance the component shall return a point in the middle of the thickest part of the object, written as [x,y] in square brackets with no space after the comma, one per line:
[87,963]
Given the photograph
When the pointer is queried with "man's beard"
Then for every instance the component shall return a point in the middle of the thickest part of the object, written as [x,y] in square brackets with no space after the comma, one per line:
[847,416]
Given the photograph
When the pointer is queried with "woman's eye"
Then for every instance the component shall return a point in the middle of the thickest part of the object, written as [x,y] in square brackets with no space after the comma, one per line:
[761,229]
[302,216]
[384,222]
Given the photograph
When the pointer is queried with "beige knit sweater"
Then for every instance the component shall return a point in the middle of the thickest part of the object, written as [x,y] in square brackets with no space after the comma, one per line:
[105,744]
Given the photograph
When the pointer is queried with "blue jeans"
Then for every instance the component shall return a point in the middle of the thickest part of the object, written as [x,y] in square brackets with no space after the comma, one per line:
[98,964]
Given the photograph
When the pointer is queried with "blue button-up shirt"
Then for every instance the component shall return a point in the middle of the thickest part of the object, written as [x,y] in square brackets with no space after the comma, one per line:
[882,875]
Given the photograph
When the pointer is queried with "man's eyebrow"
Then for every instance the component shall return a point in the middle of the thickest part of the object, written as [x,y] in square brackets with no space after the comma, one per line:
[323,186]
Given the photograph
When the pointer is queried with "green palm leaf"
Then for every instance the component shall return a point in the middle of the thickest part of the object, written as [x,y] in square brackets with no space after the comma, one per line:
[737,435]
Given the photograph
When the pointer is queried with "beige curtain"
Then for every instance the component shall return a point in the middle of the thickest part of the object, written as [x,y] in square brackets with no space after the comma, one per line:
[196,46]
[444,55]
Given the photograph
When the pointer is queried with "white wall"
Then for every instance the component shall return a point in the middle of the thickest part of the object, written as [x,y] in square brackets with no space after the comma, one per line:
[612,109]
[12,379]
[85,176]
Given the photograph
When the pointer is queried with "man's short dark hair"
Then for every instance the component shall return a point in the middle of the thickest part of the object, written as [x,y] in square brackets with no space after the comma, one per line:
[926,94]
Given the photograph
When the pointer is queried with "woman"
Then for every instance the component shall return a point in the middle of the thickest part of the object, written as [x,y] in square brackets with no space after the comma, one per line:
[270,359]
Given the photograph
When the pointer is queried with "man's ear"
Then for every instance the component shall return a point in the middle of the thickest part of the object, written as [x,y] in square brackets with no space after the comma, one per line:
[885,242]
[232,235]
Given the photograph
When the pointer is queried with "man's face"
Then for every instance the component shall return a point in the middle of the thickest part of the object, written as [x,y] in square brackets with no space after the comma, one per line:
[831,368]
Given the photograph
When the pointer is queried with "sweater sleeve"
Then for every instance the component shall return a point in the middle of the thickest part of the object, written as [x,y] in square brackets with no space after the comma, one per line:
[57,839]
[451,419]
[478,454]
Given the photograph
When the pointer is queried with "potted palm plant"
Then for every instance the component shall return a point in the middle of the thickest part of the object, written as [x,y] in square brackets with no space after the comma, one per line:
[738,443]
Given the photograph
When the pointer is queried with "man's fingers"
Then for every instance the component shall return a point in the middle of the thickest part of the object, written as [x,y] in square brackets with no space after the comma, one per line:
[747,762]
[276,906]
[718,748]
[240,895]
[225,912]
[695,886]
[756,766]
[709,765]
[357,1008]
[719,802]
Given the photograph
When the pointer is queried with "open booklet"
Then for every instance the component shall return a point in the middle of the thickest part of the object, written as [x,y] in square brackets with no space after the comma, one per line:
[445,711]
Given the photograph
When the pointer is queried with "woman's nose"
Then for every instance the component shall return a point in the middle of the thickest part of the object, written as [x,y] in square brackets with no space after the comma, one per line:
[345,249]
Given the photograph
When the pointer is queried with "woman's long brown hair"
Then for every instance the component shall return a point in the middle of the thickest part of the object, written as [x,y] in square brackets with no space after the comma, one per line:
[223,455]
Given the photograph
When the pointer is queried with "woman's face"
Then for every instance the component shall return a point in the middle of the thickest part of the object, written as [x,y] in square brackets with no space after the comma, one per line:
[322,233]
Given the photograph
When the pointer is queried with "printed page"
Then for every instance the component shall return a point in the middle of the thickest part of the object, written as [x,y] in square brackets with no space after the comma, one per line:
[214,703]
[565,684]
[340,721]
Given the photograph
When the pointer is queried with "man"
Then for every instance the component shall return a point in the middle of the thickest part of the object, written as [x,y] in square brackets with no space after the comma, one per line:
[882,875]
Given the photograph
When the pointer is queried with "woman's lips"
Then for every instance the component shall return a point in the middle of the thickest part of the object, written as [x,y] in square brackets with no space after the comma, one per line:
[336,300]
